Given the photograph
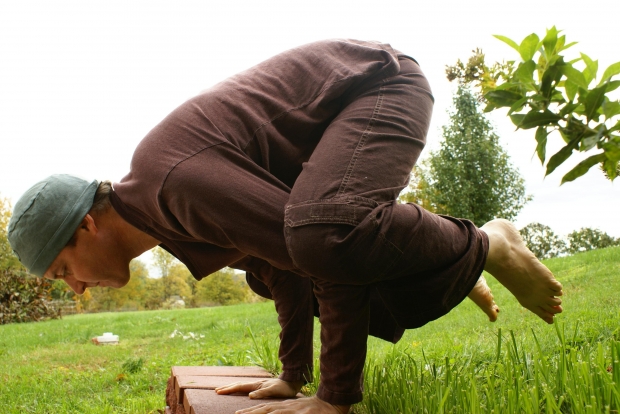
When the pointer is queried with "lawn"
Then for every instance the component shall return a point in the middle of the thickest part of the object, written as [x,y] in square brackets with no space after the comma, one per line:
[460,363]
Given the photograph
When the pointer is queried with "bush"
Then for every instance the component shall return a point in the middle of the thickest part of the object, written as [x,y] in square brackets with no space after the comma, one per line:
[589,239]
[542,241]
[24,298]
[221,288]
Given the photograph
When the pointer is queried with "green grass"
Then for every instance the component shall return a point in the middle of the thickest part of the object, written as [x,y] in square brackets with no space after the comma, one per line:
[460,363]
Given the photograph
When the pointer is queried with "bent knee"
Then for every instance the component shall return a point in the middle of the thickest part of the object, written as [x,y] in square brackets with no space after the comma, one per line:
[319,249]
[341,253]
[339,240]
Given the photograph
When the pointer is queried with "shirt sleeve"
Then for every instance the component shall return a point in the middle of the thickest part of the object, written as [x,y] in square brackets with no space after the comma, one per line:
[294,303]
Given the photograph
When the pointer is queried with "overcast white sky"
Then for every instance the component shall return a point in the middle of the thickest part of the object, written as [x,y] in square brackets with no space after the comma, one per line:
[81,82]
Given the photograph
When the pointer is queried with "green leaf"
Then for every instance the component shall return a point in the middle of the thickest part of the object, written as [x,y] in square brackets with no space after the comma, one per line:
[541,139]
[517,106]
[502,98]
[528,47]
[574,128]
[613,85]
[550,40]
[589,142]
[612,70]
[561,156]
[534,118]
[611,168]
[552,74]
[571,89]
[568,108]
[592,101]
[525,72]
[575,76]
[490,106]
[564,47]
[611,109]
[591,68]
[517,119]
[508,41]
[612,149]
[583,167]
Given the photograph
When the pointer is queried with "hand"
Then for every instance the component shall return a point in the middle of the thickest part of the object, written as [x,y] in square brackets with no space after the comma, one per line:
[267,388]
[310,405]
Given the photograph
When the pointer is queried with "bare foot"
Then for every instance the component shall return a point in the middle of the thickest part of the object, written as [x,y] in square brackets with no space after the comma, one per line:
[516,267]
[482,296]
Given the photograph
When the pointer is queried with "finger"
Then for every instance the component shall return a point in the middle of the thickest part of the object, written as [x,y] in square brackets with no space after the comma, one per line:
[243,387]
[271,391]
[262,393]
[258,409]
[261,409]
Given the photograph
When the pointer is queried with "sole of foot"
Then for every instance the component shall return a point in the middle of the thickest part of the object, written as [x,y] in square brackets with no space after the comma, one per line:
[516,267]
[481,295]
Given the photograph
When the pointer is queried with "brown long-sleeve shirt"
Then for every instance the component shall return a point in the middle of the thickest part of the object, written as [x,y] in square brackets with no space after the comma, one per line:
[212,179]
[200,179]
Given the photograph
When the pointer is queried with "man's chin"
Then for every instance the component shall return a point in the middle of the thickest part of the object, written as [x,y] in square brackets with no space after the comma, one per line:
[115,284]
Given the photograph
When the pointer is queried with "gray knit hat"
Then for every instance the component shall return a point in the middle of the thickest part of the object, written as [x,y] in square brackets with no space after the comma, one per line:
[45,218]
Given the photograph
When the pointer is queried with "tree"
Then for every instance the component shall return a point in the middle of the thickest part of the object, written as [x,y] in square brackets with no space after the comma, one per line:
[23,298]
[419,190]
[542,241]
[552,93]
[222,288]
[176,281]
[173,283]
[589,239]
[8,260]
[130,297]
[471,175]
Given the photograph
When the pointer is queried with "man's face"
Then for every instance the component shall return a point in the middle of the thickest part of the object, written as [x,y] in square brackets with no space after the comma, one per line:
[93,260]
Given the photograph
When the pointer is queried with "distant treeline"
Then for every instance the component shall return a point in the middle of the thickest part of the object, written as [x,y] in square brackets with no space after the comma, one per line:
[175,288]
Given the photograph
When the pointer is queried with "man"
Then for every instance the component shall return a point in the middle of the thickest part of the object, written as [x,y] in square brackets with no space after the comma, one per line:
[290,171]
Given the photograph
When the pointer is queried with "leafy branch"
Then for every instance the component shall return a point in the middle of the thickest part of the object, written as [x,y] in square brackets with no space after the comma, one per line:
[544,90]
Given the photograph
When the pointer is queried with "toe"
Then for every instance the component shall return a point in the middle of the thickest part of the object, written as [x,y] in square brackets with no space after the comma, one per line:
[544,315]
[551,309]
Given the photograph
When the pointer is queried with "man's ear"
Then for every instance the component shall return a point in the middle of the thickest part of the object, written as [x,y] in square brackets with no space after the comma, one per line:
[88,224]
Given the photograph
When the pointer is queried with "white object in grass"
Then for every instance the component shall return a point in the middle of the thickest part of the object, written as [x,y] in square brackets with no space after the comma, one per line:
[107,338]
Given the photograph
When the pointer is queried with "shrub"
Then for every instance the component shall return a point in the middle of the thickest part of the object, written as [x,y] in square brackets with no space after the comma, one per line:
[542,241]
[24,298]
[589,239]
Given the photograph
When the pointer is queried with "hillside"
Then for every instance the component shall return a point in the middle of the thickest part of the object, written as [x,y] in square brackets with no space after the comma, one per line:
[53,367]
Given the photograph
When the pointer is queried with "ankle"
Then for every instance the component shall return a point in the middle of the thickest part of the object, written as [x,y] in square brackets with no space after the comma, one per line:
[499,251]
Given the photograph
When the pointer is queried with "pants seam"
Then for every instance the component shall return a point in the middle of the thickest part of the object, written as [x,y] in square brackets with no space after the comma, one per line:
[361,143]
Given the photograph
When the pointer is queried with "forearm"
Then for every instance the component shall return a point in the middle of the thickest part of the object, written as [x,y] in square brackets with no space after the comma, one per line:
[344,332]
[294,302]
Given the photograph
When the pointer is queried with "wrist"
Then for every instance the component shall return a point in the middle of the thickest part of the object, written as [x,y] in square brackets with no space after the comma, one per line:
[342,409]
[295,385]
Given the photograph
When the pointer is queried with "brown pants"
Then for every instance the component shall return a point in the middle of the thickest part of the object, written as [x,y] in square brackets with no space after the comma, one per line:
[345,229]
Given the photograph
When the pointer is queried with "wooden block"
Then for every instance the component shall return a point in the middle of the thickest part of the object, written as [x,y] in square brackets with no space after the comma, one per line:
[204,382]
[208,402]
[219,371]
[208,377]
